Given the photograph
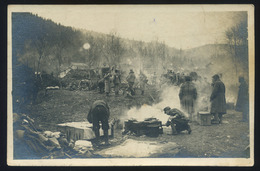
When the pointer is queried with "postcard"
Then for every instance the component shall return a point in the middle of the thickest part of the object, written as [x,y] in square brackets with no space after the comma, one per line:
[131,85]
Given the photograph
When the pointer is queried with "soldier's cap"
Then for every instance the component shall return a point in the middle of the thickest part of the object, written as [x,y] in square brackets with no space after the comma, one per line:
[241,78]
[166,109]
[131,71]
[216,76]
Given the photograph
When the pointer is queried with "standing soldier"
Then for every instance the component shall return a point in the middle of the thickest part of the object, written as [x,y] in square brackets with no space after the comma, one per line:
[143,81]
[218,99]
[154,78]
[117,81]
[242,104]
[99,112]
[188,95]
[107,83]
[131,80]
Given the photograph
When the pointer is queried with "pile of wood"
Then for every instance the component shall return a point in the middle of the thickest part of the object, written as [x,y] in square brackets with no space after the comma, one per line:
[32,142]
[80,80]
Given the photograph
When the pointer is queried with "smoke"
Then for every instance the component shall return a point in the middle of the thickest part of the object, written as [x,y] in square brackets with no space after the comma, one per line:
[169,97]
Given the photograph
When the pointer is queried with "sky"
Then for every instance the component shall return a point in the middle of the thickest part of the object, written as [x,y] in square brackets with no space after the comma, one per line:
[177,26]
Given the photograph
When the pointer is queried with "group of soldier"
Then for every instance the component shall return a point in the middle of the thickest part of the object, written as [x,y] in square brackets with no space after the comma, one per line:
[114,76]
[177,78]
[99,111]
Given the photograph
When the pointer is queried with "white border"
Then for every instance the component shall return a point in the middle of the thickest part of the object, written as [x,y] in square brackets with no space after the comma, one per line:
[138,161]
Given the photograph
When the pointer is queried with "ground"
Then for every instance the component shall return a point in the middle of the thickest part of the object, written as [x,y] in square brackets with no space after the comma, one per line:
[229,139]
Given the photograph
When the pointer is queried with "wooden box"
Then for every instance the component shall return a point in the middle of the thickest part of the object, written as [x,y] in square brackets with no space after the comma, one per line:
[81,130]
[204,118]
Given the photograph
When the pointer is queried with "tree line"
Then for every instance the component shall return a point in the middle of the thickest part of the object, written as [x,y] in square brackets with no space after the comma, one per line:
[43,45]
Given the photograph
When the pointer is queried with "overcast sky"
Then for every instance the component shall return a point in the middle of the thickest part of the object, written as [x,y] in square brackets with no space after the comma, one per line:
[177,26]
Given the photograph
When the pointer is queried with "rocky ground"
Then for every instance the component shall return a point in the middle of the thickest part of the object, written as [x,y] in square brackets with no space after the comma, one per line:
[228,139]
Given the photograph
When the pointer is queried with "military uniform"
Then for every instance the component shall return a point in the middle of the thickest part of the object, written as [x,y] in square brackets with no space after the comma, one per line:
[177,120]
[218,100]
[242,104]
[107,83]
[99,112]
[188,95]
[131,80]
[117,81]
[143,82]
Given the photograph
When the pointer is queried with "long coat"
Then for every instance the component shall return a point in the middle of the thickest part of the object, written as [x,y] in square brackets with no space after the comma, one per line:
[188,95]
[218,99]
[143,81]
[242,104]
[107,83]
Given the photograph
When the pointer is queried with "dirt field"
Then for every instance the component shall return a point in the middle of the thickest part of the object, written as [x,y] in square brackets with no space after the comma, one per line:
[229,139]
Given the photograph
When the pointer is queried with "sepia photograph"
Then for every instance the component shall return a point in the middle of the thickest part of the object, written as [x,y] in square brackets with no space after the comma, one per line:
[130,85]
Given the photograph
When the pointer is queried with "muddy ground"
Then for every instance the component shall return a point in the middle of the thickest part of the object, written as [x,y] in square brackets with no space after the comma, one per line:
[229,139]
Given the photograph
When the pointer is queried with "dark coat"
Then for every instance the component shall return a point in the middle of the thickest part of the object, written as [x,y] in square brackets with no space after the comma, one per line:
[95,104]
[178,118]
[242,104]
[131,77]
[117,79]
[217,98]
[188,95]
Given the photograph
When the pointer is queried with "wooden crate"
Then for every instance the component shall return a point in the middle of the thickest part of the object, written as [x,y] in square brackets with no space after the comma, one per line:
[204,118]
[81,130]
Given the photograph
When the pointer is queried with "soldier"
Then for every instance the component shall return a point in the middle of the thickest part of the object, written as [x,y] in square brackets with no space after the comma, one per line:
[154,78]
[177,120]
[107,83]
[131,80]
[217,99]
[242,104]
[117,81]
[99,112]
[143,81]
[188,95]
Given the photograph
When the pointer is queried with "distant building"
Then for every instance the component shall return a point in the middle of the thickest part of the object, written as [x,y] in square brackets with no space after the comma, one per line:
[81,66]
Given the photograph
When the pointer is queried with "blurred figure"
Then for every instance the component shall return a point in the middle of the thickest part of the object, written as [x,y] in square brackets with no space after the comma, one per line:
[194,76]
[217,99]
[154,78]
[188,96]
[177,120]
[131,80]
[99,112]
[142,82]
[117,81]
[242,104]
[107,83]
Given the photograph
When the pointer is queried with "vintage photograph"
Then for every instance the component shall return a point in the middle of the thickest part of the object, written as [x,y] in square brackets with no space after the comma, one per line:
[130,85]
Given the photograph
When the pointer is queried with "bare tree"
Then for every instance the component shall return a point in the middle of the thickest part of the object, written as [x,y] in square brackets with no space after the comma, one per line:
[237,41]
[42,49]
[114,48]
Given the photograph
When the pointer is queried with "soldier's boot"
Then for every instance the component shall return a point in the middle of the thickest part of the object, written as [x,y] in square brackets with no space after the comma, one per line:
[190,117]
[220,118]
[215,119]
[189,129]
[97,136]
[174,131]
[106,137]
